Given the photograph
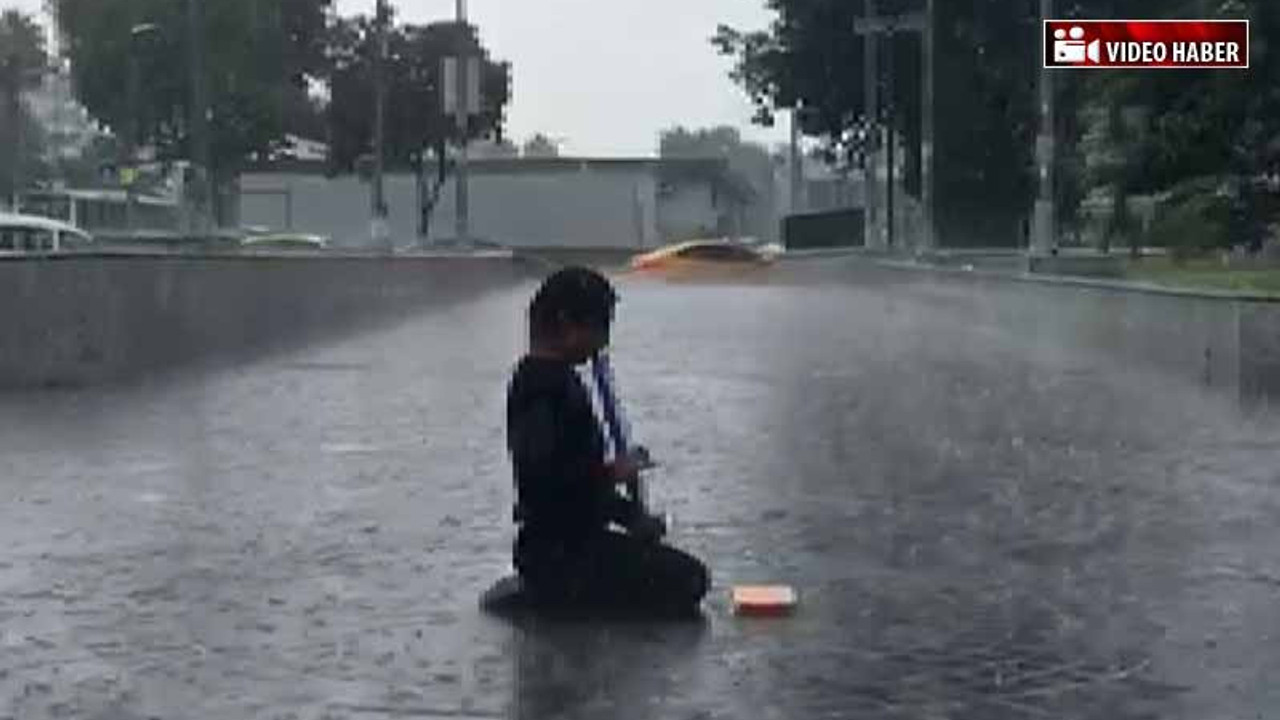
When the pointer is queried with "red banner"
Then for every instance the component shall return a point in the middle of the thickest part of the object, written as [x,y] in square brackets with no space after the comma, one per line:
[1146,44]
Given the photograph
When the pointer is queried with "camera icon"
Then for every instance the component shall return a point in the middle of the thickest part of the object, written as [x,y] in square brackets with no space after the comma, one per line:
[1070,47]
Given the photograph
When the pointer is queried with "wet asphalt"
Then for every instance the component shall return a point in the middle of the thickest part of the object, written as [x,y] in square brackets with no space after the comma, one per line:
[981,522]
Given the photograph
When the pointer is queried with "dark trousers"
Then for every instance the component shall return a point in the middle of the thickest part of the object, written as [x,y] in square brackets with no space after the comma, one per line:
[611,571]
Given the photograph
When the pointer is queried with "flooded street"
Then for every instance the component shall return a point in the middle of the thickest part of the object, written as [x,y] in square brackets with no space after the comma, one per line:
[981,521]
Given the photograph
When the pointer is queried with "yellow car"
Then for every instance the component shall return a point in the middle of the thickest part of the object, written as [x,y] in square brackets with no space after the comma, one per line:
[286,242]
[702,257]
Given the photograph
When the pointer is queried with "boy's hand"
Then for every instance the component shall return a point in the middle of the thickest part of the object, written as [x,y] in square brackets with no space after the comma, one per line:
[623,469]
[641,455]
[629,467]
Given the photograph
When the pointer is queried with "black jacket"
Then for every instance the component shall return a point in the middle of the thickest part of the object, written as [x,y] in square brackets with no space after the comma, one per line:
[557,453]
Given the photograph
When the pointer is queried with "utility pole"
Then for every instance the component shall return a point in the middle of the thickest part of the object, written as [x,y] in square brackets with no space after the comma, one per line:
[463,209]
[134,127]
[871,91]
[379,230]
[890,108]
[129,148]
[1043,234]
[12,71]
[200,113]
[928,238]
[797,168]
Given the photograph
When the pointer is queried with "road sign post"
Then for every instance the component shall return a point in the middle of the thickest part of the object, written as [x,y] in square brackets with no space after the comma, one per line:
[462,99]
[872,27]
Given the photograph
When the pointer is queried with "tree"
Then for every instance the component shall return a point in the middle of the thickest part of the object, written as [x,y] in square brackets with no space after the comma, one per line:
[417,131]
[303,114]
[1202,132]
[259,52]
[22,65]
[804,60]
[540,146]
[984,78]
[416,126]
[1197,122]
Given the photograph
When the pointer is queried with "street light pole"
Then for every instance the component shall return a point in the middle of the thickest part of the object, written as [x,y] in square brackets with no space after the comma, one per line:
[380,234]
[462,217]
[133,128]
[890,107]
[129,148]
[871,91]
[11,68]
[928,238]
[1043,236]
[200,113]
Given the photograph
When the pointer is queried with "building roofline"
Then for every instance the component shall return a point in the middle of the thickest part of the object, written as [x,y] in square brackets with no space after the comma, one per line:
[515,165]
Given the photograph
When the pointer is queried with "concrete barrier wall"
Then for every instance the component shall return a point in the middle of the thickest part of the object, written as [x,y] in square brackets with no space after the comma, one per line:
[75,320]
[1227,344]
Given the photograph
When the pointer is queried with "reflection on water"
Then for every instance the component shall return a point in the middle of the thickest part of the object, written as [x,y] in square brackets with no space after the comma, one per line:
[566,669]
[992,505]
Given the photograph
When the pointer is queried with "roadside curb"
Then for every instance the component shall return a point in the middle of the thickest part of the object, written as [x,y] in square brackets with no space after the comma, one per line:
[1081,282]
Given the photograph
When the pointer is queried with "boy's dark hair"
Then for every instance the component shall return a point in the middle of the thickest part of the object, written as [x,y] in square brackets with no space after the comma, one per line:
[573,294]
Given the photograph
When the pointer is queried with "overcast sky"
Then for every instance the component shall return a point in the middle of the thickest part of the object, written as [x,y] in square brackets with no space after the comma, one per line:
[603,75]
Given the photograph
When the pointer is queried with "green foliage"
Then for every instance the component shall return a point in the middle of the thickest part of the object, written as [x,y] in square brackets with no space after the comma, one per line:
[260,55]
[415,123]
[806,58]
[22,53]
[22,64]
[1196,122]
[1193,218]
[541,146]
[749,163]
[985,111]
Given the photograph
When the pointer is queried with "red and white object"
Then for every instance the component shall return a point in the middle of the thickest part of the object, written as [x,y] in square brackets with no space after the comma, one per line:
[1156,44]
[764,600]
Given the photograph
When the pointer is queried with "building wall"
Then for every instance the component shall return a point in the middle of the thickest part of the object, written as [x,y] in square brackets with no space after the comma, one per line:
[587,207]
[337,207]
[687,211]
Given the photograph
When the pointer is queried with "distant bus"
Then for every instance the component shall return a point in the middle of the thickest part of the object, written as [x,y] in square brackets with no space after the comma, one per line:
[104,213]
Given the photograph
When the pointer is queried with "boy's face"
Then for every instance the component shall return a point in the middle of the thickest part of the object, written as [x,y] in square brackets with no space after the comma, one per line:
[581,341]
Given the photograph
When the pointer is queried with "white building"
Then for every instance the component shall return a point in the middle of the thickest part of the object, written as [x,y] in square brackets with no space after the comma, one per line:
[623,203]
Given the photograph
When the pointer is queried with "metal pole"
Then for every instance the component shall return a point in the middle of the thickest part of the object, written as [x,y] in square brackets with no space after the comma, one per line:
[130,145]
[927,237]
[12,80]
[20,146]
[1045,212]
[200,112]
[797,170]
[378,199]
[870,80]
[891,135]
[462,214]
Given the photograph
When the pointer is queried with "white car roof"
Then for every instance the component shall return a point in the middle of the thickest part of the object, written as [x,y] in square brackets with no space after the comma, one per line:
[38,222]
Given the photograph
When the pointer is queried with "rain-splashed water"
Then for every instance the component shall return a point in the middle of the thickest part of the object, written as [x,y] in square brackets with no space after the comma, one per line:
[984,516]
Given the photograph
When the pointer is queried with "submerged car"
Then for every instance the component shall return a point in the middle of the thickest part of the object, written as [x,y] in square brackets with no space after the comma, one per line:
[285,241]
[703,256]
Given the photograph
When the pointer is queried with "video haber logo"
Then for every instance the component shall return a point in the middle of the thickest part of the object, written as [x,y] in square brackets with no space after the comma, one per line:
[1146,44]
[1070,47]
